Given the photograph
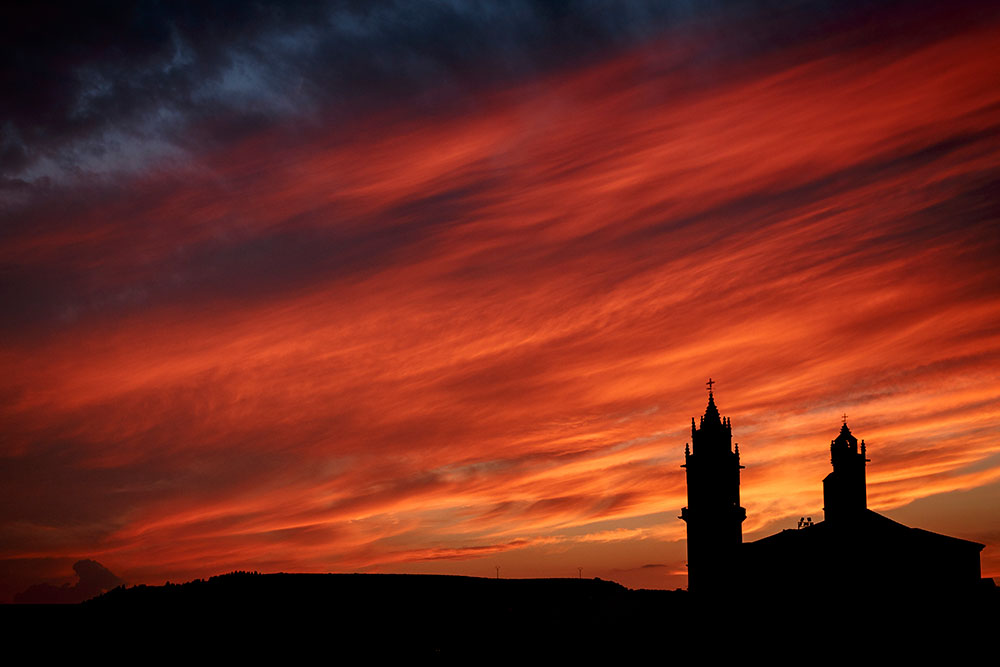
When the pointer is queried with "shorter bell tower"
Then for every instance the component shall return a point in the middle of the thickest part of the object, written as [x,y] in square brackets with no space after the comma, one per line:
[844,493]
[713,514]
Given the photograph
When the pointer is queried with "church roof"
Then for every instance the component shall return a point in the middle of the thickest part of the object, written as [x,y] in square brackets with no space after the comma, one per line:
[867,528]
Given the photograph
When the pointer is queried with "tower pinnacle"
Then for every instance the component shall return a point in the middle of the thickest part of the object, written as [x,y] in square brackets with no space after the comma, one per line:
[711,412]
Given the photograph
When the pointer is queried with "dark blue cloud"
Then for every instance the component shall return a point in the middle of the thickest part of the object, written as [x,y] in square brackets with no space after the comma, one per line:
[112,86]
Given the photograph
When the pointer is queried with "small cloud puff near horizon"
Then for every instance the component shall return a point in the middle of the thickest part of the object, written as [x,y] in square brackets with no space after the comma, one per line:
[93,579]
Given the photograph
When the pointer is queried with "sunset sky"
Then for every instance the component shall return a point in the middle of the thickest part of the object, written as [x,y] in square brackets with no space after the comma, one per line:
[437,286]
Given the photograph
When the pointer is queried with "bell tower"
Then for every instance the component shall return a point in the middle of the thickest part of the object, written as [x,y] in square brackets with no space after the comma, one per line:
[844,493]
[713,515]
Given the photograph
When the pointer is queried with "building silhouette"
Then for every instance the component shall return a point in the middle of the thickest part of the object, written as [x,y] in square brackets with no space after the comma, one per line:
[713,515]
[852,550]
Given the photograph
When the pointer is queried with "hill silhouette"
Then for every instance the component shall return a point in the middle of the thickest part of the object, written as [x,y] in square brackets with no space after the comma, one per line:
[421,613]
[289,615]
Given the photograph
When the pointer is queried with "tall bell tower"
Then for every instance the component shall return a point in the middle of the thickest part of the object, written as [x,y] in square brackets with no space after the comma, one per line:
[713,515]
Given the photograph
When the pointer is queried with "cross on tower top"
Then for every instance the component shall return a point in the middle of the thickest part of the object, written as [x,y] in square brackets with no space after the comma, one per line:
[844,417]
[710,383]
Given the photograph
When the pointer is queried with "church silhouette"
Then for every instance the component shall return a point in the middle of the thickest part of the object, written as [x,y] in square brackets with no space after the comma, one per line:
[853,550]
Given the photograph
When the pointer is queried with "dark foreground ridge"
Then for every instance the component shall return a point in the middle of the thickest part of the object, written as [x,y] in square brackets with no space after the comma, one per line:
[437,615]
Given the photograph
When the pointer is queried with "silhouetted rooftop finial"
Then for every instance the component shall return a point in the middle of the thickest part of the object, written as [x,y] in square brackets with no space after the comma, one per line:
[710,383]
[844,417]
